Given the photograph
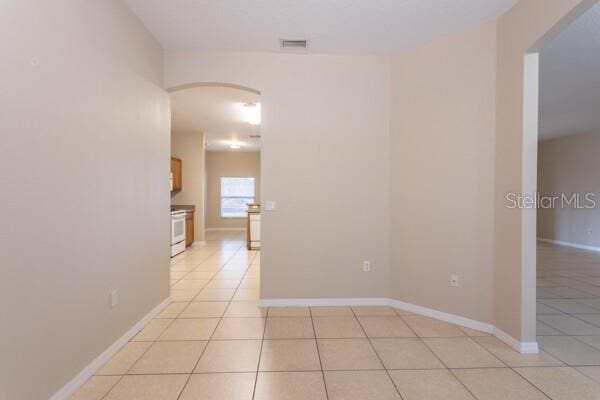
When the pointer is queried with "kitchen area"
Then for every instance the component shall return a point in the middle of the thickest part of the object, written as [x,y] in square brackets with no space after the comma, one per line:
[183,216]
[215,166]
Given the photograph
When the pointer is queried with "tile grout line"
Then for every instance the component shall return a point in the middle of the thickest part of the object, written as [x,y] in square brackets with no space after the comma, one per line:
[152,342]
[564,334]
[193,270]
[259,358]
[262,341]
[354,370]
[440,360]
[572,315]
[185,385]
[231,300]
[169,325]
[376,353]
[511,368]
[214,273]
[121,376]
[312,322]
[531,383]
[226,309]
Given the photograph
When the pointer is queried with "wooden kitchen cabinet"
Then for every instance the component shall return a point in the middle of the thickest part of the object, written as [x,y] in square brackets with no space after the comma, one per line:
[189,228]
[176,174]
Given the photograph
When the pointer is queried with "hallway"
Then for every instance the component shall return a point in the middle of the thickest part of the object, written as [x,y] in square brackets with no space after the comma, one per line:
[568,306]
[214,343]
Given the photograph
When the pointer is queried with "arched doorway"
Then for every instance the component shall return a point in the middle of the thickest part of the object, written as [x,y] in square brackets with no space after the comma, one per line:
[216,139]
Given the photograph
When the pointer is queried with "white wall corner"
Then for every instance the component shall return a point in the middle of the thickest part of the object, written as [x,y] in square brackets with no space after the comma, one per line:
[71,387]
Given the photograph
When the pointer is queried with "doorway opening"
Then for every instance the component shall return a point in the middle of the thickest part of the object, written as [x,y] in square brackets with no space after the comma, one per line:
[561,140]
[216,150]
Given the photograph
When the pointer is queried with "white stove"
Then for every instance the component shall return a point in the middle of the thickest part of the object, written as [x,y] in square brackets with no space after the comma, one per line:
[177,232]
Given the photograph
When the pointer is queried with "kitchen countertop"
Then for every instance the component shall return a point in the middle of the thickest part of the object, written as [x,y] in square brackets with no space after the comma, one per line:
[254,209]
[182,208]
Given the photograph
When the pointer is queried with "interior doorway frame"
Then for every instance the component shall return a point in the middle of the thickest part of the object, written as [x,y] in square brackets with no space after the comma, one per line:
[530,134]
[200,84]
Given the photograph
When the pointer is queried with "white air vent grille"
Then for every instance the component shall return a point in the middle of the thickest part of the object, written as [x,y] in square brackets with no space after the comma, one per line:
[294,44]
[253,136]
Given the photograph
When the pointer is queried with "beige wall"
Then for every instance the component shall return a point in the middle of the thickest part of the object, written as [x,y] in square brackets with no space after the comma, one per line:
[84,163]
[570,165]
[325,161]
[189,148]
[85,175]
[442,146]
[520,30]
[325,128]
[234,164]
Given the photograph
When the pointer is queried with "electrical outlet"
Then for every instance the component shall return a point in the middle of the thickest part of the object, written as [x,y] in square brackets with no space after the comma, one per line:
[454,281]
[366,266]
[114,298]
[589,231]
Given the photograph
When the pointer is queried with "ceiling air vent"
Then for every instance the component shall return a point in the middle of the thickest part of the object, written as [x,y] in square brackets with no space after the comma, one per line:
[294,44]
[253,136]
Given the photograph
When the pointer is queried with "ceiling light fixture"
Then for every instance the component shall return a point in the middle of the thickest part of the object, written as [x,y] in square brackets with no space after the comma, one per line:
[235,146]
[252,113]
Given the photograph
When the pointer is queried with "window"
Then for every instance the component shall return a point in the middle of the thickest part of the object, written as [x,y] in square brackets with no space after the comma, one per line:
[236,194]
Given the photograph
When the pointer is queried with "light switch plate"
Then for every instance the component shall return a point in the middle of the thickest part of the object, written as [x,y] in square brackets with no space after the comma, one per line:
[114,298]
[454,280]
[270,205]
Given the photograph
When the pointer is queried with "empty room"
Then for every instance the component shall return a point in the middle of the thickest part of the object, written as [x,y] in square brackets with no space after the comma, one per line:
[300,200]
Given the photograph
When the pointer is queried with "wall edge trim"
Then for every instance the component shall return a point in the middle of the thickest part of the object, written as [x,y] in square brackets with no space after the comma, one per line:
[87,372]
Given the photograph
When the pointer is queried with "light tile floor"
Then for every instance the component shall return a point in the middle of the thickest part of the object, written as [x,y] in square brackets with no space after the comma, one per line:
[213,342]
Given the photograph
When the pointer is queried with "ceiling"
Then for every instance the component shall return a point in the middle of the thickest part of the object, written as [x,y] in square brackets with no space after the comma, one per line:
[331,26]
[570,79]
[569,65]
[217,111]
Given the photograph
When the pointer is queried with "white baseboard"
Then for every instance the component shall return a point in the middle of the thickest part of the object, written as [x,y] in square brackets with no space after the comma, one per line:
[75,383]
[225,229]
[452,318]
[521,347]
[370,301]
[569,244]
